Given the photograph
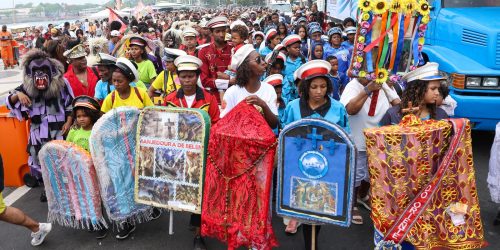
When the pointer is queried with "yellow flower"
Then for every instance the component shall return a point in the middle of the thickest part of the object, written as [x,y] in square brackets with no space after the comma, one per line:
[361,39]
[409,5]
[423,7]
[382,76]
[425,19]
[365,5]
[395,6]
[365,16]
[359,59]
[362,74]
[380,7]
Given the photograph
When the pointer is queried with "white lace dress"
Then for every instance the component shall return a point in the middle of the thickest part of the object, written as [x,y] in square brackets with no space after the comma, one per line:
[494,173]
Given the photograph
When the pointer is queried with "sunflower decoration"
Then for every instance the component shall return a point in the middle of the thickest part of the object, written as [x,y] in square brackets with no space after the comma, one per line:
[382,76]
[425,19]
[365,5]
[409,5]
[396,6]
[380,7]
[423,8]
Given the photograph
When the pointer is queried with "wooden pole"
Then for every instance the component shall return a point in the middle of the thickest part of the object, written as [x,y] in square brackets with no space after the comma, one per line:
[313,238]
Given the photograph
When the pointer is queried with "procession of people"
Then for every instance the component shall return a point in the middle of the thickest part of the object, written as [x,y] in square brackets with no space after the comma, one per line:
[290,68]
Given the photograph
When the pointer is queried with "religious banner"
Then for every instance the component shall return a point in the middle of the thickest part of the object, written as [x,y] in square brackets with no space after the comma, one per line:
[71,185]
[423,190]
[112,145]
[171,149]
[237,191]
[316,170]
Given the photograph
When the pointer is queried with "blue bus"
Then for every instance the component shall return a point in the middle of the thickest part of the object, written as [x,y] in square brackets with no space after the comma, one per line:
[463,36]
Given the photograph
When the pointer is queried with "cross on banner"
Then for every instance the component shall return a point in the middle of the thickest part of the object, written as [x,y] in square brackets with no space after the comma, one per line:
[157,120]
[331,146]
[314,137]
[169,124]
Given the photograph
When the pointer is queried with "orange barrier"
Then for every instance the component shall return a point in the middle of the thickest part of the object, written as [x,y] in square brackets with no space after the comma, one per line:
[14,136]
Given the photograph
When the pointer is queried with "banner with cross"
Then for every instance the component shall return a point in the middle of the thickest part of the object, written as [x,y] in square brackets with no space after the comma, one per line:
[316,167]
[171,150]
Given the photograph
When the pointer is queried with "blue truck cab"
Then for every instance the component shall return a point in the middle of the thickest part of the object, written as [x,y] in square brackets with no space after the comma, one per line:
[463,36]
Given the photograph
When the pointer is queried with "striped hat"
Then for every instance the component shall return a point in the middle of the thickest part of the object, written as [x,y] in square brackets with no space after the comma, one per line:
[313,69]
[220,21]
[270,33]
[291,39]
[86,102]
[258,33]
[275,80]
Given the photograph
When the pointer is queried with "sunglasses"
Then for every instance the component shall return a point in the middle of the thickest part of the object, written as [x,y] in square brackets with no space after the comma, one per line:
[259,59]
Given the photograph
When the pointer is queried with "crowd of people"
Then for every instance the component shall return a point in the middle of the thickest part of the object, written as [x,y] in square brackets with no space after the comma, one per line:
[292,67]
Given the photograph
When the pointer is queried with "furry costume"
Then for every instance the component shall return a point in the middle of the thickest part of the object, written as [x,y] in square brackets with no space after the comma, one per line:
[96,45]
[49,108]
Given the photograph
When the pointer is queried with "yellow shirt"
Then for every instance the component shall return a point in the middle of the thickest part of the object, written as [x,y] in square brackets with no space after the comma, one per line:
[158,84]
[132,101]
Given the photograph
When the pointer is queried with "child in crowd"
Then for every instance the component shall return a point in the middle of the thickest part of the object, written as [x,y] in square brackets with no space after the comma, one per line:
[422,91]
[445,101]
[86,112]
[239,34]
[339,80]
[293,61]
[317,49]
[257,39]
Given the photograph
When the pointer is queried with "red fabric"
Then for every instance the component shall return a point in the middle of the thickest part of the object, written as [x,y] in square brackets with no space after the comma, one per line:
[245,219]
[113,16]
[373,103]
[209,104]
[214,61]
[77,86]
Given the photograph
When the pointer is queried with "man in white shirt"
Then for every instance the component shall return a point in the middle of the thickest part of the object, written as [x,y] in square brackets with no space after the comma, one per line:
[365,113]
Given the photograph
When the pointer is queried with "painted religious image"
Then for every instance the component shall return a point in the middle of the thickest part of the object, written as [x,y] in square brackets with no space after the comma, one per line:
[171,149]
[160,125]
[150,190]
[146,155]
[317,196]
[187,194]
[169,164]
[316,162]
[190,127]
[193,167]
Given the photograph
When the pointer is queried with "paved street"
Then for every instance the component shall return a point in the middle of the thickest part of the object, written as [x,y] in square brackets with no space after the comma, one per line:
[154,235]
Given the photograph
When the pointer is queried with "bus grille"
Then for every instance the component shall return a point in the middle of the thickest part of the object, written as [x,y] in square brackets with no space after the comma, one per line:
[474,37]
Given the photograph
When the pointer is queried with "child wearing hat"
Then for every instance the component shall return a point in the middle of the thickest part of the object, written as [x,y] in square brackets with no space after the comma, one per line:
[86,112]
[422,91]
[351,33]
[145,67]
[334,47]
[190,43]
[257,39]
[167,81]
[314,102]
[293,61]
[124,94]
[270,41]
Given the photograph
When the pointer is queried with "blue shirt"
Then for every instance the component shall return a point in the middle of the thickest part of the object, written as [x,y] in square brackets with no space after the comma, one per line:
[265,51]
[338,81]
[347,45]
[111,47]
[290,91]
[304,48]
[343,56]
[333,111]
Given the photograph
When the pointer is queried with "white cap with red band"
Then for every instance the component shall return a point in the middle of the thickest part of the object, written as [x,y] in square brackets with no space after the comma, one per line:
[274,80]
[313,69]
[291,39]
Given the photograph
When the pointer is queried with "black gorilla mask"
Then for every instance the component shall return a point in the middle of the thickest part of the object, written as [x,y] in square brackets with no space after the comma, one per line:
[40,72]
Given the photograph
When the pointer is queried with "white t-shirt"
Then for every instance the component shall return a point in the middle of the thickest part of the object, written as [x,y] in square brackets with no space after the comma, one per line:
[361,120]
[190,99]
[235,94]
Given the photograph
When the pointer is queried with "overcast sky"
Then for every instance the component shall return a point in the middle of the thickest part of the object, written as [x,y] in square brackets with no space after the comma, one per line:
[9,5]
